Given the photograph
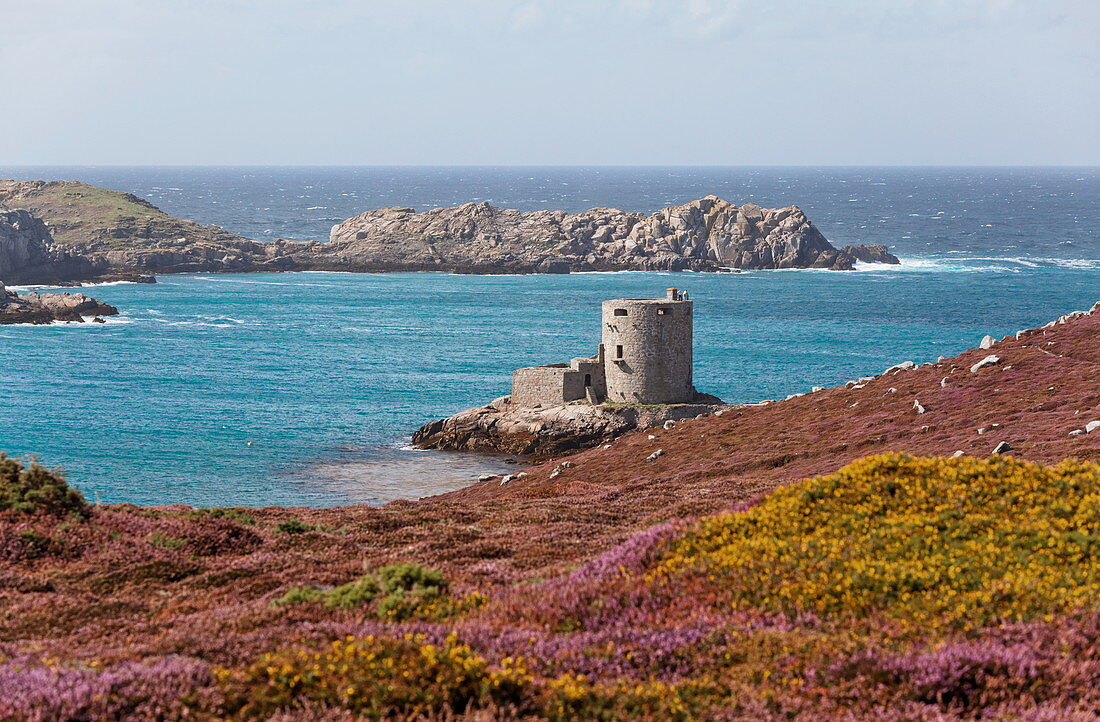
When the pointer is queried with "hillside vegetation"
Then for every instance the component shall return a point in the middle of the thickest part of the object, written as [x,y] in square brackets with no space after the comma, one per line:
[818,558]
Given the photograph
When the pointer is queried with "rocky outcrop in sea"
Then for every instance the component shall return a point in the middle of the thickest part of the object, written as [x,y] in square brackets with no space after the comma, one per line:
[42,308]
[708,234]
[545,432]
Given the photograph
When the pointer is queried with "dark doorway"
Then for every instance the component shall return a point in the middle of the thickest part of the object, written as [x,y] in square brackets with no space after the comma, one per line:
[587,380]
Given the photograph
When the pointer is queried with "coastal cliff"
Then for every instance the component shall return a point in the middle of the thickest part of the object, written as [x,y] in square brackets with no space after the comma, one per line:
[104,233]
[28,255]
[708,234]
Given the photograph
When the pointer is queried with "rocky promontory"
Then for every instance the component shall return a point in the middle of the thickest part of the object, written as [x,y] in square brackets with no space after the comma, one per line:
[544,432]
[42,308]
[708,234]
[118,233]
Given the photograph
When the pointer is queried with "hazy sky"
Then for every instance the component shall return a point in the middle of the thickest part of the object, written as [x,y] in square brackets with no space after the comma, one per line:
[723,82]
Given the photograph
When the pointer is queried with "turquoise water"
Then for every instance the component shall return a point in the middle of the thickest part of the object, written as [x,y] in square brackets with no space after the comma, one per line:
[302,389]
[328,374]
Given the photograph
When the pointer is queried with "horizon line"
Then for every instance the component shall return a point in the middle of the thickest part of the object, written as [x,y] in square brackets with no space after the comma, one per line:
[532,165]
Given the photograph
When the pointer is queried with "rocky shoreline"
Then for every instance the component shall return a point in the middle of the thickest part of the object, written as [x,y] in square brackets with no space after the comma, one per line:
[66,232]
[44,308]
[545,432]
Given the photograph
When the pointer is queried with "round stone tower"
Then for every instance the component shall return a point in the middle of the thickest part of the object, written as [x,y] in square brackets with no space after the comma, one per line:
[647,349]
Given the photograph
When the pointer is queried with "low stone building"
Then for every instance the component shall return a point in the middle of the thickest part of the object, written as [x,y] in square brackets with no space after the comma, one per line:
[645,358]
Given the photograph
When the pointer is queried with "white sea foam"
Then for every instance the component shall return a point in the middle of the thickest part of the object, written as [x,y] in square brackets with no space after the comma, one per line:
[108,283]
[1089,264]
[67,289]
[205,324]
[88,323]
[222,318]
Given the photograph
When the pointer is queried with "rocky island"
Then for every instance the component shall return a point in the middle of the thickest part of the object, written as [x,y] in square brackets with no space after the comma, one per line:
[42,308]
[69,231]
[708,234]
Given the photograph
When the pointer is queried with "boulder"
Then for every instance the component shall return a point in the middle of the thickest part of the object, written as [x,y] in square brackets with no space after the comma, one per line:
[871,254]
[985,362]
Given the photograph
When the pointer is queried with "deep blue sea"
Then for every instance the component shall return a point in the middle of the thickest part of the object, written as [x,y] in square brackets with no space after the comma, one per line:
[302,389]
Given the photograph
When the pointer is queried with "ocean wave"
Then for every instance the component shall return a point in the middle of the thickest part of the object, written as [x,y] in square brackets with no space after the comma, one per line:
[31,287]
[934,265]
[108,283]
[205,324]
[222,318]
[976,264]
[1090,264]
[67,289]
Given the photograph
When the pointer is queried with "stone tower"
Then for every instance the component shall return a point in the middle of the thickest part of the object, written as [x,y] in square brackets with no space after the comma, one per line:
[647,349]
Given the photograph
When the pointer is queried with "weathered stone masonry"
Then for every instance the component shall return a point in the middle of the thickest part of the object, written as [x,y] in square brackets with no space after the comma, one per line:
[645,358]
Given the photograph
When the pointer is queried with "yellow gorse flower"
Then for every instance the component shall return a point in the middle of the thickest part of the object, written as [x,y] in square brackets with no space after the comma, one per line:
[939,543]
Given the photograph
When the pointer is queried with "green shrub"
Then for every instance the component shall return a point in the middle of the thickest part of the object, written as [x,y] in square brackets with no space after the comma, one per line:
[35,488]
[403,591]
[165,542]
[217,512]
[35,544]
[359,593]
[298,595]
[292,526]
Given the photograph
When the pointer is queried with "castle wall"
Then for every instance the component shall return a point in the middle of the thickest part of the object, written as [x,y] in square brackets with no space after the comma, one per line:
[647,350]
[555,384]
[546,385]
[592,370]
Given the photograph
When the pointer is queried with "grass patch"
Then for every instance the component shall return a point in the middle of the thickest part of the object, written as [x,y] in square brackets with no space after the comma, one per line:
[165,542]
